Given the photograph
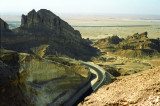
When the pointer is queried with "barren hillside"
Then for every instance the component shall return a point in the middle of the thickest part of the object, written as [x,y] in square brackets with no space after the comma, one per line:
[142,89]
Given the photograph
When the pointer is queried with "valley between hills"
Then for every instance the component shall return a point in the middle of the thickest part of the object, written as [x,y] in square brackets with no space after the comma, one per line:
[46,62]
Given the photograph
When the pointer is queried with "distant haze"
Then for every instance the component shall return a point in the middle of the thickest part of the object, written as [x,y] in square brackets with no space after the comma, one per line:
[100,7]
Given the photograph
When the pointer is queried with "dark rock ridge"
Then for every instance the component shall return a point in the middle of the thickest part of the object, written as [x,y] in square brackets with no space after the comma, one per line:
[44,27]
[45,20]
[3,25]
[5,32]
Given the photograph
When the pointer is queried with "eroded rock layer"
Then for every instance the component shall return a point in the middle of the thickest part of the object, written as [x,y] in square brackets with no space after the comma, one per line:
[135,46]
[28,80]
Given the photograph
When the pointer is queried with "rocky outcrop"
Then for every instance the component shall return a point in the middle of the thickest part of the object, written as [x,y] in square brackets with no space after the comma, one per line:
[3,25]
[141,89]
[138,45]
[108,42]
[28,80]
[111,40]
[45,28]
[5,32]
[47,21]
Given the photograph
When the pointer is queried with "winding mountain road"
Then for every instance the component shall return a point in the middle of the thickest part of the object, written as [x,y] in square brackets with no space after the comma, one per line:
[98,80]
[100,74]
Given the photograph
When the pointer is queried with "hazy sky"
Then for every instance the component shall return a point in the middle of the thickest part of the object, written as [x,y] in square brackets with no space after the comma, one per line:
[146,7]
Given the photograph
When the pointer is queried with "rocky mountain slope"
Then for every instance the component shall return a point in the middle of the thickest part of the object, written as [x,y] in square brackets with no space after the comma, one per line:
[28,80]
[45,23]
[3,25]
[5,32]
[45,28]
[135,46]
[141,89]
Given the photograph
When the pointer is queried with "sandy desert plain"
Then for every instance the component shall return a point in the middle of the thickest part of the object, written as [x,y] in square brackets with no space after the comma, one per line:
[97,27]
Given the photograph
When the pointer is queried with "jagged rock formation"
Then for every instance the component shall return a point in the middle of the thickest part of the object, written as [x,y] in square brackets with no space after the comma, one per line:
[28,80]
[5,33]
[3,25]
[108,42]
[45,20]
[138,45]
[44,27]
[111,40]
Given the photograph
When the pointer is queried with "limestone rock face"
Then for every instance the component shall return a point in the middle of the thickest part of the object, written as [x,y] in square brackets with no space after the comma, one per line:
[28,80]
[3,25]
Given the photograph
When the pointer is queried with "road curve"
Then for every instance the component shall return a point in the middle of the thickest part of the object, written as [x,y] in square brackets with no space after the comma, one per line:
[101,76]
[100,72]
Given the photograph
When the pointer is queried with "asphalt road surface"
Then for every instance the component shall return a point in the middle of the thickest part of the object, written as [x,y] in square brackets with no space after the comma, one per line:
[100,73]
